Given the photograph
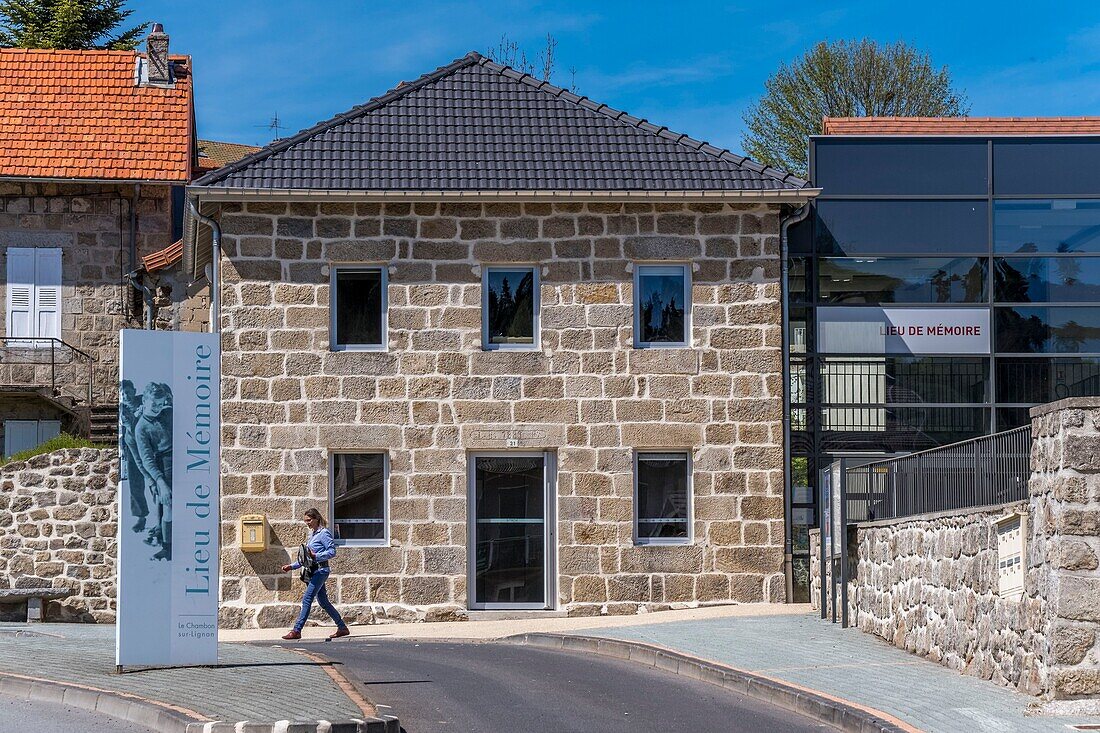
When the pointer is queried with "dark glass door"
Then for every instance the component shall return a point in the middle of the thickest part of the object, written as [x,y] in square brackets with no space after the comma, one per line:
[509,531]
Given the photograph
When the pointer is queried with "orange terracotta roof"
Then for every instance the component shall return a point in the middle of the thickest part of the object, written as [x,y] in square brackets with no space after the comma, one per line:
[170,255]
[79,114]
[961,126]
[213,154]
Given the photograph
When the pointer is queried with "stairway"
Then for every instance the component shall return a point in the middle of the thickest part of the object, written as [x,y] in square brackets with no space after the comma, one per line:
[104,425]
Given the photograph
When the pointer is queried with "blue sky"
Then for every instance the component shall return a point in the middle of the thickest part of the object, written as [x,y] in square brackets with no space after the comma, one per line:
[693,67]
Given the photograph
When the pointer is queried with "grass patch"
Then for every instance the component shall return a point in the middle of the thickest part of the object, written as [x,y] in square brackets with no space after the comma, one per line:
[61,442]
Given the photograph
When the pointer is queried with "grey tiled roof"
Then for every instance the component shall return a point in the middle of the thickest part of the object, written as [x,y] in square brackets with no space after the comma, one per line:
[475,125]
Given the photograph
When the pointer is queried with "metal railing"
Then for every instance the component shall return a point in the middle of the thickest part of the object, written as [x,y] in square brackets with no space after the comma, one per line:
[48,363]
[992,469]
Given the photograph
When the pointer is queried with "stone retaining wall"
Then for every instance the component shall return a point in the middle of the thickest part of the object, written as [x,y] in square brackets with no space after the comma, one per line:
[57,530]
[929,584]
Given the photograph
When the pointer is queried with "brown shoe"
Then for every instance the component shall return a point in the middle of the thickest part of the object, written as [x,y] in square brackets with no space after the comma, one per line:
[340,631]
[292,635]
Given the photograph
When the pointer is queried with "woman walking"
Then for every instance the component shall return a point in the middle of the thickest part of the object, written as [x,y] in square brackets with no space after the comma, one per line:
[321,548]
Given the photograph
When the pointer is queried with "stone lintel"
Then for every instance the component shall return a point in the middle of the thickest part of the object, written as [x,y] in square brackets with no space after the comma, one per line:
[502,436]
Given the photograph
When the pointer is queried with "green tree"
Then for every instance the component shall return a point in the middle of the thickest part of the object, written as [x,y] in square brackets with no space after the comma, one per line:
[844,79]
[70,24]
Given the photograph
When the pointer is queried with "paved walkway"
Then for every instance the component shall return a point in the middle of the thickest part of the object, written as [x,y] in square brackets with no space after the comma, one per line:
[251,683]
[852,665]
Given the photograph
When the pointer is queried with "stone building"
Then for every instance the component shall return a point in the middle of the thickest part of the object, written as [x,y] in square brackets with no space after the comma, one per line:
[522,349]
[95,148]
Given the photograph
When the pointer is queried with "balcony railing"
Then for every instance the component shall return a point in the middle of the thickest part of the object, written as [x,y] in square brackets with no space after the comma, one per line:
[48,364]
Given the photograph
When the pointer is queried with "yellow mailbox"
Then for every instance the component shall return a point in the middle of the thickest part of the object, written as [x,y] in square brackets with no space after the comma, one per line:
[253,528]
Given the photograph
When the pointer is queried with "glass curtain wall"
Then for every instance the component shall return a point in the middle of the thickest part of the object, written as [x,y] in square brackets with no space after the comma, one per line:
[1005,224]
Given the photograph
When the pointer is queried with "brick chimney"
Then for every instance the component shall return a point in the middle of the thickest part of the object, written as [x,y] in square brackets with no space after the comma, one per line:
[156,52]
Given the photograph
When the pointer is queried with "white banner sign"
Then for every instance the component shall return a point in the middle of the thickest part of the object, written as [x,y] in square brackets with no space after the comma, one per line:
[919,331]
[169,433]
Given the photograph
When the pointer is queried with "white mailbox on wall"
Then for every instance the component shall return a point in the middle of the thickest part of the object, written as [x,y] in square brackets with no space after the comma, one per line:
[1011,557]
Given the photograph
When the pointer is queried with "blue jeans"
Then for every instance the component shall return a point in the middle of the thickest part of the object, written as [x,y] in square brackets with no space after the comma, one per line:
[316,589]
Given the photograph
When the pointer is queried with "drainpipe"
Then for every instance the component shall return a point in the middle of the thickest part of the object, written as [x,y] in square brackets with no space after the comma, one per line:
[784,296]
[133,276]
[215,268]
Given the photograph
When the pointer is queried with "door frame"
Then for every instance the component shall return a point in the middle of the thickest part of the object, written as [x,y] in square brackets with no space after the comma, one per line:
[550,530]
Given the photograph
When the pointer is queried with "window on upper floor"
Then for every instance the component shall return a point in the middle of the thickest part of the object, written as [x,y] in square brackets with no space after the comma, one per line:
[662,306]
[33,295]
[359,497]
[358,308]
[510,308]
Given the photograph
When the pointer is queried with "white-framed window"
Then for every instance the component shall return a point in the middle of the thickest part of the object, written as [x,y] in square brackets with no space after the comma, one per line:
[359,497]
[358,308]
[21,435]
[510,307]
[34,295]
[662,498]
[662,306]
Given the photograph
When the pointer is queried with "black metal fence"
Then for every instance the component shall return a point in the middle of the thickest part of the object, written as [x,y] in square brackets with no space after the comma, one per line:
[992,469]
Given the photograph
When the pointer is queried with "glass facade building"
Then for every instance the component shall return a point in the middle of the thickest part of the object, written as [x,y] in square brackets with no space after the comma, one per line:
[941,286]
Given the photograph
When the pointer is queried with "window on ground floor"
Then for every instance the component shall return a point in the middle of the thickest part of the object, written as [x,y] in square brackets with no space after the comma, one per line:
[359,498]
[662,498]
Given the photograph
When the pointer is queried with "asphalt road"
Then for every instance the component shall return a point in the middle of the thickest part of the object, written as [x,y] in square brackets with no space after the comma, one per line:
[440,687]
[43,717]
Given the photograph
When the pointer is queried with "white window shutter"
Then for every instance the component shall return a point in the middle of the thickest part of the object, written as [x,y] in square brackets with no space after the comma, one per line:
[47,293]
[20,292]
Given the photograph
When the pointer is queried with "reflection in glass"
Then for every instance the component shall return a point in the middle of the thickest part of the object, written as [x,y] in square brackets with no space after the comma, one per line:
[1047,279]
[1012,417]
[905,379]
[511,303]
[1036,380]
[661,297]
[901,280]
[900,429]
[1047,330]
[864,165]
[1032,166]
[901,227]
[1046,225]
[359,312]
[662,496]
[509,528]
[359,496]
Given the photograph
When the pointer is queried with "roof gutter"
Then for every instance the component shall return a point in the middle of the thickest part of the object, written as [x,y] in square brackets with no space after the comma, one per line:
[128,181]
[219,194]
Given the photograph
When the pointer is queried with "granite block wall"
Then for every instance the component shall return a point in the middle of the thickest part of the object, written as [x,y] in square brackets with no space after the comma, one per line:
[434,396]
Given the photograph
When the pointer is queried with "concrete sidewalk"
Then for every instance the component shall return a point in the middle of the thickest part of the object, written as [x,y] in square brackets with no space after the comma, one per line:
[523,622]
[251,683]
[846,663]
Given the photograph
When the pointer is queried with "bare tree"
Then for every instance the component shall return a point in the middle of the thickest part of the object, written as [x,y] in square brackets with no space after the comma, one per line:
[541,65]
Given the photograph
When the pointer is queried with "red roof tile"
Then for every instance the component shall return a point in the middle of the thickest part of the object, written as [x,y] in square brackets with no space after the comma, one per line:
[961,126]
[170,255]
[213,154]
[79,114]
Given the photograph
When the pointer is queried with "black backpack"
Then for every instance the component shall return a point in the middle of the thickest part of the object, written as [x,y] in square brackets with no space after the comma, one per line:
[309,565]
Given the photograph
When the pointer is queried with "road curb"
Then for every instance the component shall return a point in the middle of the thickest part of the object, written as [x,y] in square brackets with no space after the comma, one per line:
[834,711]
[166,718]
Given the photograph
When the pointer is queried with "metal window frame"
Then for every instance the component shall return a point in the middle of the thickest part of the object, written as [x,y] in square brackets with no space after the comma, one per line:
[686,454]
[685,267]
[384,541]
[536,320]
[550,531]
[334,272]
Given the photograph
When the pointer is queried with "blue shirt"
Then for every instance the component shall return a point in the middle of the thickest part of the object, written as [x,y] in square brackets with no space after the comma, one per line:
[322,545]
